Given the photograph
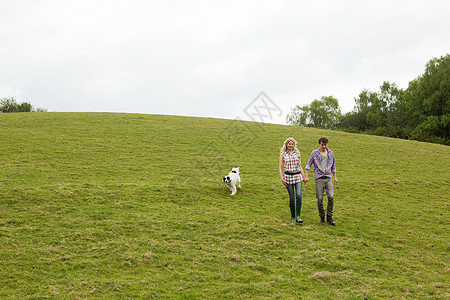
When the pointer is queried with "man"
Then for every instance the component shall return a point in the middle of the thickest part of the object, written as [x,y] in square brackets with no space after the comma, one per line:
[324,168]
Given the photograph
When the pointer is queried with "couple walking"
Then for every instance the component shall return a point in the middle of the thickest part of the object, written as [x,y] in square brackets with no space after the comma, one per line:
[293,176]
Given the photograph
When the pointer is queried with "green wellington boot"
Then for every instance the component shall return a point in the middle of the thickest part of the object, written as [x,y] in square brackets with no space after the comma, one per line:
[298,207]
[292,208]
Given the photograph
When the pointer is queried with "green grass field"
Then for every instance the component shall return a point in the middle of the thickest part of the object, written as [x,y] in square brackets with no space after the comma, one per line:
[98,205]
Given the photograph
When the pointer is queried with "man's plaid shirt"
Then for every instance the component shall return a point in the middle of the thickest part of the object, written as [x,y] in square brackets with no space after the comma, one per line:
[314,160]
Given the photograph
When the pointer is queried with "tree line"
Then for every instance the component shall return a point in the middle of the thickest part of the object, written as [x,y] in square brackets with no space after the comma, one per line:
[10,105]
[420,112]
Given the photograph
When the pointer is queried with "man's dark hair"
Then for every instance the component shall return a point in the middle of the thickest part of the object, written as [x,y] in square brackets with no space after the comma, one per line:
[323,140]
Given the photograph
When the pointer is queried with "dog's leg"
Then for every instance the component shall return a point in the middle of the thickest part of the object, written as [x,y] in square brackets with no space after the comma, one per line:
[239,183]
[233,191]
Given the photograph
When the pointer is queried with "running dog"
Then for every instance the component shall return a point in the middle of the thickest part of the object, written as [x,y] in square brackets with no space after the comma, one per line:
[232,180]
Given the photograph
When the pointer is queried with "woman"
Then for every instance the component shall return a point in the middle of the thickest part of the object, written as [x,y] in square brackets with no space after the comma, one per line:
[292,176]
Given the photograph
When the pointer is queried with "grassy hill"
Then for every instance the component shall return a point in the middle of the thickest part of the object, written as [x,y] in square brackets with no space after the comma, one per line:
[97,205]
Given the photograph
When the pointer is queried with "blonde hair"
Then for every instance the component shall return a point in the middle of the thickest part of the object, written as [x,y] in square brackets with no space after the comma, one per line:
[284,148]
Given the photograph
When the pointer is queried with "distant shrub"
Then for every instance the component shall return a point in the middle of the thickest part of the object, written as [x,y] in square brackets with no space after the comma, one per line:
[10,105]
[24,107]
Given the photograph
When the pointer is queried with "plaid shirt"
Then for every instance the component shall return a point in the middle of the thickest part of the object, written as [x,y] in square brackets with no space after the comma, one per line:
[314,160]
[292,165]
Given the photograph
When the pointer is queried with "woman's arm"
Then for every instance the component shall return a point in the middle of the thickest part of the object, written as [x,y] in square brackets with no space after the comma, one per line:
[280,169]
[304,174]
[300,162]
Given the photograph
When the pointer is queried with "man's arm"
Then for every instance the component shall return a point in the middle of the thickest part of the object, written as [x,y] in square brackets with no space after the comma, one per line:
[333,169]
[335,178]
[308,166]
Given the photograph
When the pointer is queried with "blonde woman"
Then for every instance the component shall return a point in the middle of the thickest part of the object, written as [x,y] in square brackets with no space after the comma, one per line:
[292,176]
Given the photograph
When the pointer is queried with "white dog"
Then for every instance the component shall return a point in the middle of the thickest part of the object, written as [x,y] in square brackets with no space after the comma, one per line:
[232,180]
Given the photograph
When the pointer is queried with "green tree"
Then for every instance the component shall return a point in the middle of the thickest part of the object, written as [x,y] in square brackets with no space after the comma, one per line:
[428,101]
[323,113]
[371,110]
[382,112]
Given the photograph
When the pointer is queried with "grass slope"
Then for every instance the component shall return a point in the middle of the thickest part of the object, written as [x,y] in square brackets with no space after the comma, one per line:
[100,205]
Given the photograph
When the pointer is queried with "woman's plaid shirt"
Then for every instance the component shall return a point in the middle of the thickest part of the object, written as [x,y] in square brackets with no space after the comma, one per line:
[292,165]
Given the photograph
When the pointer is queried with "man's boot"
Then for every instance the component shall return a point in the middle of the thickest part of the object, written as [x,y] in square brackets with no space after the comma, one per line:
[330,220]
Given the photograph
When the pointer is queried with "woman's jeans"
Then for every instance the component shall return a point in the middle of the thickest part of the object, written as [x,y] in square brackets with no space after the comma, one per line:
[295,198]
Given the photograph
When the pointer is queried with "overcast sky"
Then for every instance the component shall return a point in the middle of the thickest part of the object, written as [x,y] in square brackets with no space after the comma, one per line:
[212,58]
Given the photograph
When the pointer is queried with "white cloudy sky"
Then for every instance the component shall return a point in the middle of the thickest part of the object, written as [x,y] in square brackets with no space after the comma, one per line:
[212,58]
